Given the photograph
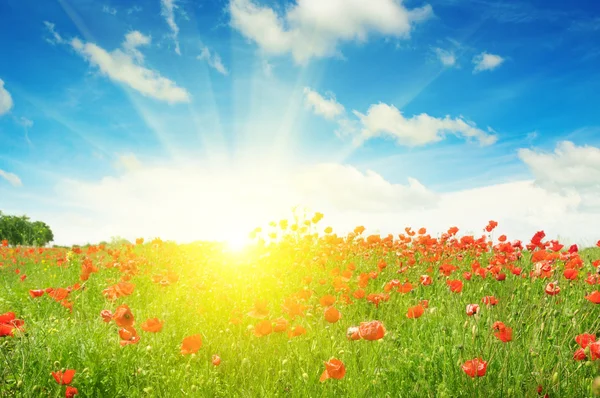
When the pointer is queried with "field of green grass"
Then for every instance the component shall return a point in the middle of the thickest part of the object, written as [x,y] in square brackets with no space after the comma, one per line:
[265,320]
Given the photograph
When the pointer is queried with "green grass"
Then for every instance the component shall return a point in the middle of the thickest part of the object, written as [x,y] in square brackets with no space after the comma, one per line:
[417,357]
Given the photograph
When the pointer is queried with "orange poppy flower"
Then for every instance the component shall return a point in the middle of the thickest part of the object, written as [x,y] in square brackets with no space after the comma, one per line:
[594,297]
[425,280]
[475,367]
[358,294]
[281,325]
[152,325]
[489,300]
[327,300]
[64,378]
[334,369]
[332,315]
[128,336]
[373,330]
[106,315]
[191,344]
[216,360]
[59,294]
[260,309]
[123,316]
[296,331]
[263,328]
[415,312]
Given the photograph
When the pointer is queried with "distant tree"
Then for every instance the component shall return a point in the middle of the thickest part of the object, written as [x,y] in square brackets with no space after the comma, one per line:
[19,230]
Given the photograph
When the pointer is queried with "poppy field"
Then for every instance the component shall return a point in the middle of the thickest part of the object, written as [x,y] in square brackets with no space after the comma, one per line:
[300,312]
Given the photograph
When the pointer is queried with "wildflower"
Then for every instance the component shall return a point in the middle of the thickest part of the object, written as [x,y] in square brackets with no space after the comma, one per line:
[334,369]
[373,330]
[64,378]
[455,285]
[594,297]
[123,316]
[106,315]
[415,312]
[472,309]
[489,300]
[585,339]
[191,344]
[70,392]
[552,289]
[475,367]
[504,333]
[36,293]
[281,325]
[332,315]
[216,360]
[353,333]
[153,325]
[263,328]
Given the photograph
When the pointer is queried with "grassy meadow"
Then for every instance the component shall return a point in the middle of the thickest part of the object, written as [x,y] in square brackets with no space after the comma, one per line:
[303,312]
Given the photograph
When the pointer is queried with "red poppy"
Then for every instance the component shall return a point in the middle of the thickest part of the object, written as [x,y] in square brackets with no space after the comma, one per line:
[579,355]
[373,330]
[334,369]
[353,333]
[552,289]
[106,315]
[123,316]
[489,300]
[472,309]
[415,312]
[594,297]
[70,392]
[475,367]
[594,350]
[64,378]
[153,325]
[216,360]
[327,300]
[36,293]
[296,331]
[504,333]
[191,344]
[585,339]
[455,285]
[570,274]
[425,280]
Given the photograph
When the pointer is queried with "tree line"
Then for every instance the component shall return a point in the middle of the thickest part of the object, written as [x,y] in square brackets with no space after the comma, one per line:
[20,230]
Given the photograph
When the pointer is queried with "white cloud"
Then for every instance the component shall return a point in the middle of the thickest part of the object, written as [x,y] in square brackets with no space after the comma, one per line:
[12,178]
[387,120]
[168,12]
[213,60]
[485,61]
[329,108]
[187,202]
[447,58]
[133,40]
[571,170]
[109,10]
[55,37]
[133,9]
[6,101]
[126,66]
[315,28]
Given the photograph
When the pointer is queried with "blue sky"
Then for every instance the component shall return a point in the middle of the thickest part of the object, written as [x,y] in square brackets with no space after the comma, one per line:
[211,116]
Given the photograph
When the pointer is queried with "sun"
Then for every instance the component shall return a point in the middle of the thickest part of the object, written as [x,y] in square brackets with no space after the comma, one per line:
[237,243]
